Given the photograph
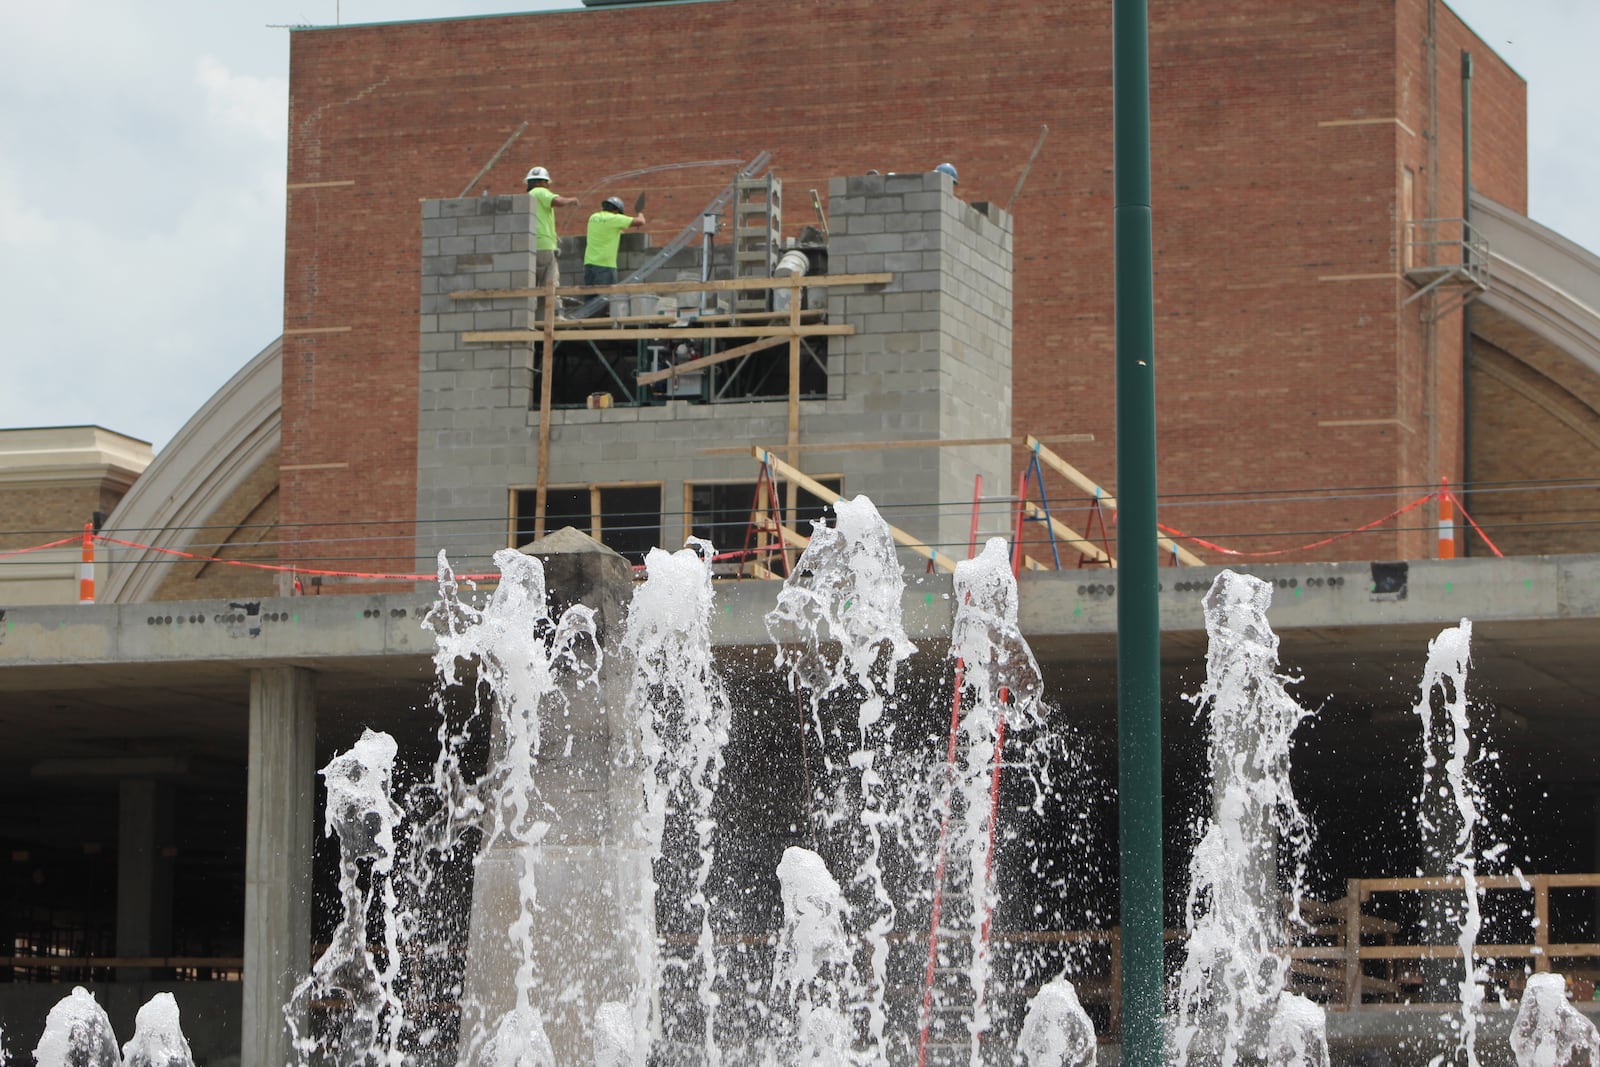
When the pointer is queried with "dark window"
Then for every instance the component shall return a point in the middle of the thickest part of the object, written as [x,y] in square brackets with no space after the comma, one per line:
[765,375]
[628,517]
[586,368]
[721,513]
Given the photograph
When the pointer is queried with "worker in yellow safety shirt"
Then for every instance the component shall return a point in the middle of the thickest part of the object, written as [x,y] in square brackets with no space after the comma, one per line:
[545,242]
[605,234]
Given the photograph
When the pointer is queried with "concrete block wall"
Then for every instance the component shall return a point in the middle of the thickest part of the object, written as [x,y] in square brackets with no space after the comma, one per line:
[930,359]
[975,364]
[934,351]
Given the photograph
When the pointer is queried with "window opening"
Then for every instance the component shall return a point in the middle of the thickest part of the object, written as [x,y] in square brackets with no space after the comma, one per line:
[588,367]
[765,375]
[720,512]
[583,368]
[624,518]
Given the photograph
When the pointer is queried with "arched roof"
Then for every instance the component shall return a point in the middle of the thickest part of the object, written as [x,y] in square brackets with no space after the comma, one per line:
[216,450]
[1541,281]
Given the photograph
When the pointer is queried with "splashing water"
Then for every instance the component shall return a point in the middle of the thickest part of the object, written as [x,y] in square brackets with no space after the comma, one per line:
[1232,985]
[683,715]
[813,971]
[1297,1034]
[847,588]
[999,671]
[363,817]
[685,997]
[518,1041]
[1548,1031]
[1449,832]
[532,665]
[77,1033]
[157,1040]
[615,1036]
[1057,1031]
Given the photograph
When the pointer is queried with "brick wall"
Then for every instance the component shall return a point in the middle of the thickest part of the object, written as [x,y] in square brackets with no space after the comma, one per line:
[34,516]
[1284,360]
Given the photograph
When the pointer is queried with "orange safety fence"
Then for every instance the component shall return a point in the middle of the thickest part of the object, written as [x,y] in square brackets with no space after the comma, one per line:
[287,568]
[1445,496]
[40,548]
[297,570]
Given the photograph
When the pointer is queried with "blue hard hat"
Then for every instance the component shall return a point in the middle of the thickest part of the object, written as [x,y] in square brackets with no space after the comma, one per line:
[950,169]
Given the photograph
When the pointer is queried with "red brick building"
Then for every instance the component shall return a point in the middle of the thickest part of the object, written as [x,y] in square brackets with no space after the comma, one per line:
[1299,394]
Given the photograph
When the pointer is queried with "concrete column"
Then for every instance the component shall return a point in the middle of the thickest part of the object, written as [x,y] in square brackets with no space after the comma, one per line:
[278,837]
[144,875]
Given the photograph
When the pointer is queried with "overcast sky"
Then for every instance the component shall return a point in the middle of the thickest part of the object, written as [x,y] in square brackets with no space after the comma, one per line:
[142,152]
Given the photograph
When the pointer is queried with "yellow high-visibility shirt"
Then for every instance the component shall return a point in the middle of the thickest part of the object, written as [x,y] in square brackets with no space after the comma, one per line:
[605,234]
[544,218]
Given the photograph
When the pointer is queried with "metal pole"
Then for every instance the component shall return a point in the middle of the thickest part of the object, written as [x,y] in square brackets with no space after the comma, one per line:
[1138,613]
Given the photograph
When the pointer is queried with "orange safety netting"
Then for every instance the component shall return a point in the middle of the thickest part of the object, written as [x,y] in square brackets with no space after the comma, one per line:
[37,548]
[1417,503]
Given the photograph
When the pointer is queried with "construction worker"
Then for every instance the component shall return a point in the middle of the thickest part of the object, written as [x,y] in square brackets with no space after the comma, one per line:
[605,234]
[545,242]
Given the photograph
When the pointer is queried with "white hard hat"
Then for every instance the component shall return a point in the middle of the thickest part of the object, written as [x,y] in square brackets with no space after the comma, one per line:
[538,174]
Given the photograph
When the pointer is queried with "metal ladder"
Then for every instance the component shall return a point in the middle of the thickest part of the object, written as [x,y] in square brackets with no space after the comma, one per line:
[749,171]
[757,230]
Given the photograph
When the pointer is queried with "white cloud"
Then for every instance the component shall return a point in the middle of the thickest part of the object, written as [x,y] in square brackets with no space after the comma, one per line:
[257,106]
[23,226]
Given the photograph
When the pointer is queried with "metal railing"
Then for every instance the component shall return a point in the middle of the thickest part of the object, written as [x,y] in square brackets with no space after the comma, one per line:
[1444,255]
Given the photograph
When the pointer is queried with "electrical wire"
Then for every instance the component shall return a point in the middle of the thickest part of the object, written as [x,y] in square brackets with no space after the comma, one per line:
[1219,498]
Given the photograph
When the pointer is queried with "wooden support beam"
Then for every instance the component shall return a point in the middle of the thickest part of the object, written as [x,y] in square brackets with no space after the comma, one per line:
[758,316]
[796,281]
[1352,944]
[563,325]
[668,320]
[1069,537]
[1093,488]
[1541,923]
[675,333]
[225,963]
[541,493]
[790,537]
[939,559]
[792,496]
[878,446]
[1483,881]
[693,365]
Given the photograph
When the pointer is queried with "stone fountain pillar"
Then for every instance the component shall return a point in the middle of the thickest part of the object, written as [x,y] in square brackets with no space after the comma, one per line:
[587,868]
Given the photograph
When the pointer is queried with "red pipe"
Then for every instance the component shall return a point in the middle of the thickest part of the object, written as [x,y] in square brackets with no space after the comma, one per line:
[977,498]
[1016,540]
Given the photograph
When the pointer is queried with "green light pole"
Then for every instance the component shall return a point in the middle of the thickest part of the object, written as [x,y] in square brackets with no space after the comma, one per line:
[1138,613]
